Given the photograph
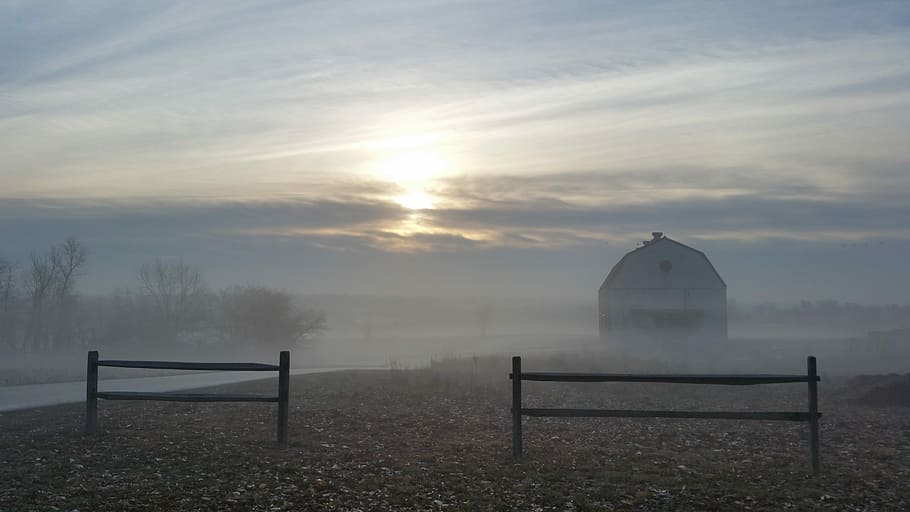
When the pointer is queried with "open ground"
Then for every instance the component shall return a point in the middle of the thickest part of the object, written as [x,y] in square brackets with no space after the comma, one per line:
[439,439]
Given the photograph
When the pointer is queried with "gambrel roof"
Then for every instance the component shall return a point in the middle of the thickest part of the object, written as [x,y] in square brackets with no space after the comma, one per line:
[639,268]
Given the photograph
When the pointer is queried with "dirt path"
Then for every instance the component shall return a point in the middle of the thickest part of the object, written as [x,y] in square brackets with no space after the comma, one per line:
[41,395]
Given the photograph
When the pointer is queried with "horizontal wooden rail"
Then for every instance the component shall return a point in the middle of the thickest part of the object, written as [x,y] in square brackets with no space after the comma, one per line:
[713,415]
[726,380]
[811,377]
[174,365]
[92,394]
[184,397]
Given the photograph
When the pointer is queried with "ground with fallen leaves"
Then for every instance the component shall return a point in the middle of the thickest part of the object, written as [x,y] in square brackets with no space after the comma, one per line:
[439,439]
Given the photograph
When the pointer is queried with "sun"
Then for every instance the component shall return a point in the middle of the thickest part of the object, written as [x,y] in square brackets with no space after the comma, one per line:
[413,172]
[415,200]
[412,168]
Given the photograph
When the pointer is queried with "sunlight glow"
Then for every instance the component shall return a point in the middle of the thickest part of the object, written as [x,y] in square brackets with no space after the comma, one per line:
[413,170]
[415,200]
[412,167]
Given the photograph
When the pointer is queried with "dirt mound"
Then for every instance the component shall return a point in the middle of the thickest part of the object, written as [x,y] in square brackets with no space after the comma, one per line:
[881,390]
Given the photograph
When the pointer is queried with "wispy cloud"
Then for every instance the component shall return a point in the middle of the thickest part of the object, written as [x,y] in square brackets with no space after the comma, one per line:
[563,125]
[184,98]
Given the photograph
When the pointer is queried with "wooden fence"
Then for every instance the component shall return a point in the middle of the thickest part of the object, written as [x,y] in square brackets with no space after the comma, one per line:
[811,378]
[92,394]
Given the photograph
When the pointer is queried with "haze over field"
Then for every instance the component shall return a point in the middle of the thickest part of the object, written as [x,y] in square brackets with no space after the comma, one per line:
[461,148]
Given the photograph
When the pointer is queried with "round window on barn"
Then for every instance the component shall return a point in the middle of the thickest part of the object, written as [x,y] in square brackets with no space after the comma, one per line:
[665,265]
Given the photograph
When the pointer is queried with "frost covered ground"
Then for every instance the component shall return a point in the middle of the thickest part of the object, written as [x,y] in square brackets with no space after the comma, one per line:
[438,439]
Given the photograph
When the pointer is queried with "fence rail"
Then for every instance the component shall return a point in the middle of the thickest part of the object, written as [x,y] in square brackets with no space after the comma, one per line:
[176,365]
[183,397]
[811,378]
[671,378]
[92,395]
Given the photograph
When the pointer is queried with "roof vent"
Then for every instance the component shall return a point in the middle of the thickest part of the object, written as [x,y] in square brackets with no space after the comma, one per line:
[657,235]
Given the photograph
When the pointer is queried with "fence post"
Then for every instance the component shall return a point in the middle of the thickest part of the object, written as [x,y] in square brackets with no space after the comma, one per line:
[813,413]
[516,407]
[91,393]
[284,368]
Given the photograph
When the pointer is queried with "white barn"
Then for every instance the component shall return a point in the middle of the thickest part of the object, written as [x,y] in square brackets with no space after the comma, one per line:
[663,296]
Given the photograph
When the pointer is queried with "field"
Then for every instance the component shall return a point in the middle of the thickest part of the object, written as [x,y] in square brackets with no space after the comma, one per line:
[438,439]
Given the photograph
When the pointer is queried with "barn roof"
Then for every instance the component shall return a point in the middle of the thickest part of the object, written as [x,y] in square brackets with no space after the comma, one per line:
[650,244]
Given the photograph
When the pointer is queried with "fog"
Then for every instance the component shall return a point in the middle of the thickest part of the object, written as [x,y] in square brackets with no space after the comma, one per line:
[400,332]
[398,184]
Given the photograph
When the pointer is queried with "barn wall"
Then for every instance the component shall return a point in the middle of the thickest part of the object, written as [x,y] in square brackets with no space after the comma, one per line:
[706,333]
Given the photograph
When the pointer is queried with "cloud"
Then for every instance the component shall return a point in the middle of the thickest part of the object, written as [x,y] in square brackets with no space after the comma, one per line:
[480,213]
[586,207]
[170,126]
[151,222]
[535,248]
[173,99]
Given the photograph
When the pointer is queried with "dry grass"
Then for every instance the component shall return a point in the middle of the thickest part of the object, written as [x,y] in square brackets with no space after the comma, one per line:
[438,439]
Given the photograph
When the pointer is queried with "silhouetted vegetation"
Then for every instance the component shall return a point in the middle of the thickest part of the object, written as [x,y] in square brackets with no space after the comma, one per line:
[829,313]
[38,301]
[169,306]
[264,316]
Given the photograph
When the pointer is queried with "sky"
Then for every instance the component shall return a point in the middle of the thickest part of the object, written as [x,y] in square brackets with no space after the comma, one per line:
[461,148]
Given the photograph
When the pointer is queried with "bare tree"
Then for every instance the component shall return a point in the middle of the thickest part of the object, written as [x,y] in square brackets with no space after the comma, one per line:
[68,259]
[267,317]
[49,283]
[39,282]
[177,293]
[9,302]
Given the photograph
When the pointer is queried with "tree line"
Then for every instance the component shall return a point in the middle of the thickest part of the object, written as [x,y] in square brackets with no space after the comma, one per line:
[826,312]
[170,305]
